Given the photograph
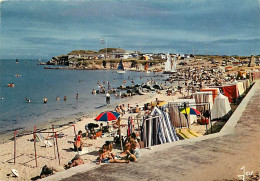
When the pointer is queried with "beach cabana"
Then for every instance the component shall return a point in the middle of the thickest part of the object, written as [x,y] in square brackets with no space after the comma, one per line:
[178,119]
[221,107]
[215,91]
[158,129]
[231,91]
[204,100]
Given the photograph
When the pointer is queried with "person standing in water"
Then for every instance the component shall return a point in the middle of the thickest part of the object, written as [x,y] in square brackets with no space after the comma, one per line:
[57,98]
[65,98]
[77,96]
[45,100]
[108,98]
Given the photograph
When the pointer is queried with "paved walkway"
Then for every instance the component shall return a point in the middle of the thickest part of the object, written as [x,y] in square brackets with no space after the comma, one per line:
[215,157]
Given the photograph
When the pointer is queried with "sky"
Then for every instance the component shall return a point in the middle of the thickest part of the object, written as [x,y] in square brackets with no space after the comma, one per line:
[47,28]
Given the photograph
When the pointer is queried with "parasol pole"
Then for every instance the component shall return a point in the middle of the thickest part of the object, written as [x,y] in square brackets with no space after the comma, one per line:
[119,128]
[180,116]
[53,139]
[15,145]
[186,114]
[210,119]
[34,139]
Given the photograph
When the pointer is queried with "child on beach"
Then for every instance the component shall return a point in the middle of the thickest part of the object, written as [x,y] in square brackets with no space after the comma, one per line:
[78,145]
[105,156]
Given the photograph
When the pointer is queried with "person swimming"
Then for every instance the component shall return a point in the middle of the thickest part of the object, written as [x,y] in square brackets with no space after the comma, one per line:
[45,100]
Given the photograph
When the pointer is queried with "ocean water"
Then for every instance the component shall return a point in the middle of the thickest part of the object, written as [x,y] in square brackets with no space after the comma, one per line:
[36,83]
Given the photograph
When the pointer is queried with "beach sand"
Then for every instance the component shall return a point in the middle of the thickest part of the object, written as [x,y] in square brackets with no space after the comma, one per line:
[25,156]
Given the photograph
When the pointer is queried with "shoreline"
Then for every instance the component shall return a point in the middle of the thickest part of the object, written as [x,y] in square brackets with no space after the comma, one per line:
[25,161]
[61,122]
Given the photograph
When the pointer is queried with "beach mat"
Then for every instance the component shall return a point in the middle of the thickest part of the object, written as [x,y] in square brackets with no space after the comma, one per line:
[185,133]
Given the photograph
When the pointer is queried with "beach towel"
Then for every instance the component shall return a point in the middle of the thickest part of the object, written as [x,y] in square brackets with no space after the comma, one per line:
[203,97]
[231,92]
[241,89]
[187,133]
[215,91]
[177,118]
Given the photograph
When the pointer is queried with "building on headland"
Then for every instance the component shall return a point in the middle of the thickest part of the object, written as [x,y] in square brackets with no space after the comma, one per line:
[59,60]
[122,54]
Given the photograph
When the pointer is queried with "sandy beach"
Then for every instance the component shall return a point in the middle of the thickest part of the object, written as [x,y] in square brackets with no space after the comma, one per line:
[25,161]
[25,153]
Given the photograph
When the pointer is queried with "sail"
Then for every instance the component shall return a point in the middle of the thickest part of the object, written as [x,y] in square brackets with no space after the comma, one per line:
[168,64]
[173,66]
[120,66]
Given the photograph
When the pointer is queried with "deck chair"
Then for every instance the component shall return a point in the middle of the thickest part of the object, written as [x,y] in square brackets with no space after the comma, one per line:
[40,138]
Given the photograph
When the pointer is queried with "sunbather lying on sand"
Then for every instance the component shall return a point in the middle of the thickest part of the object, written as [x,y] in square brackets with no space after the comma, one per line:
[75,162]
[105,156]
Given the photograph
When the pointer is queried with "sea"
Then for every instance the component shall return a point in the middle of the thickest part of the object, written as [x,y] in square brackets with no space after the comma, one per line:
[36,83]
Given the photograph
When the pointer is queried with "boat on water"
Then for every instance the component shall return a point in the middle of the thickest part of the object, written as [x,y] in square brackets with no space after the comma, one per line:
[11,85]
[17,75]
[146,68]
[120,69]
[170,65]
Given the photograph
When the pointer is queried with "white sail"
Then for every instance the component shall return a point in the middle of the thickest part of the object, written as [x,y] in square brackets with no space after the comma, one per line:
[168,64]
[173,66]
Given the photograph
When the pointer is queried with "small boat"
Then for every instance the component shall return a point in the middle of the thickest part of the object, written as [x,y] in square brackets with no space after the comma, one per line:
[17,75]
[146,68]
[120,69]
[11,85]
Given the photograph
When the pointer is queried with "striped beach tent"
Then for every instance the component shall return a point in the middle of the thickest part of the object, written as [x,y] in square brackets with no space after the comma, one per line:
[166,132]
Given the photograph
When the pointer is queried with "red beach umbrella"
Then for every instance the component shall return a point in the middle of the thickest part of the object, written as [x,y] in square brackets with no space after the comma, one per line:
[107,116]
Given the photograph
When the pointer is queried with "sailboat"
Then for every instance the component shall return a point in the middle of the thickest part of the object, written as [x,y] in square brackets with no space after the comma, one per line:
[120,69]
[173,66]
[170,66]
[146,68]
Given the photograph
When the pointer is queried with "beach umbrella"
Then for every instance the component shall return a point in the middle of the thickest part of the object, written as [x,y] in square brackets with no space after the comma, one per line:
[189,110]
[161,103]
[107,116]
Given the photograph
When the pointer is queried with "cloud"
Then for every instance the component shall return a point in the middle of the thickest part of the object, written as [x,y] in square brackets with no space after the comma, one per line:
[152,25]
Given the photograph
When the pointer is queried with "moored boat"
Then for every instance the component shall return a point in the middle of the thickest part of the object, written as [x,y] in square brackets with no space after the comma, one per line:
[120,69]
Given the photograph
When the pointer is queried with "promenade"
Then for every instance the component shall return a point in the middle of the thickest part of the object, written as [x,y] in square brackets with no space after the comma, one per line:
[214,157]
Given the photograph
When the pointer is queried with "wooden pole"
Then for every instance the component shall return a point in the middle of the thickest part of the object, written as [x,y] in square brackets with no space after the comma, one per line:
[120,137]
[15,145]
[74,130]
[54,144]
[34,138]
[57,147]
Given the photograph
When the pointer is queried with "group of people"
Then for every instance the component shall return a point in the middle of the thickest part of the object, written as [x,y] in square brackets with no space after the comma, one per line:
[45,99]
[120,109]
